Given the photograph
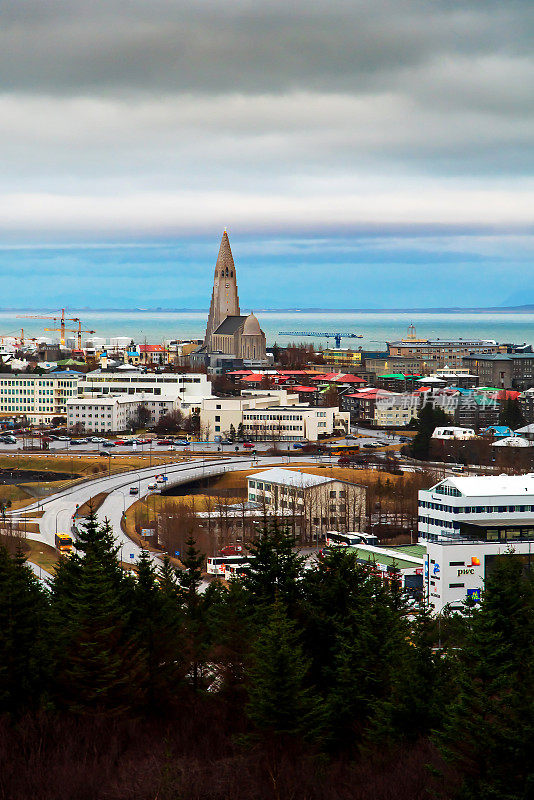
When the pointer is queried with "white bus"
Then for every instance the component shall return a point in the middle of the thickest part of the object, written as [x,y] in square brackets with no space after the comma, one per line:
[343,539]
[217,565]
[235,570]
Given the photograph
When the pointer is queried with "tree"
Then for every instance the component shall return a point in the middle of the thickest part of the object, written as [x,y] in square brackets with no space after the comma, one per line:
[189,581]
[97,661]
[275,568]
[488,735]
[24,662]
[429,419]
[280,701]
[510,413]
[156,620]
[171,422]
[232,433]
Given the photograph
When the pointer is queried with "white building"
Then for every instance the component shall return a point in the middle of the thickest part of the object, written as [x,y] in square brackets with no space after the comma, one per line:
[190,389]
[455,570]
[105,414]
[447,507]
[293,423]
[219,413]
[320,501]
[39,398]
[466,523]
[114,412]
[395,410]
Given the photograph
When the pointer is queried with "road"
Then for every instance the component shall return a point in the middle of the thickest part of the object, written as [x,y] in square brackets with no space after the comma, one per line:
[60,508]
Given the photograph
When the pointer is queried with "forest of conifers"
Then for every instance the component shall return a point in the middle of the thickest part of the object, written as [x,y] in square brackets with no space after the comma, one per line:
[304,683]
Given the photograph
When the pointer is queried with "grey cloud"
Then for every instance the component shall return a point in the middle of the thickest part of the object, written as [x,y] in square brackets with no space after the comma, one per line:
[119,46]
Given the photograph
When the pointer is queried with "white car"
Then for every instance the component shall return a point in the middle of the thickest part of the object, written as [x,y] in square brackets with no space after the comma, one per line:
[152,486]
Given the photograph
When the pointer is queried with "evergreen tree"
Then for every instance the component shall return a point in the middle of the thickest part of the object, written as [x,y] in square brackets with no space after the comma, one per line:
[429,418]
[189,579]
[232,433]
[156,620]
[280,701]
[98,664]
[488,734]
[275,568]
[24,631]
[510,413]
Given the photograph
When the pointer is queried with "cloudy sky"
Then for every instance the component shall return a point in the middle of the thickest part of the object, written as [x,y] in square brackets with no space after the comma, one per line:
[379,151]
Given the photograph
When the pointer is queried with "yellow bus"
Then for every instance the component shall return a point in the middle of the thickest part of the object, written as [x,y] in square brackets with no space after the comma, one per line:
[64,543]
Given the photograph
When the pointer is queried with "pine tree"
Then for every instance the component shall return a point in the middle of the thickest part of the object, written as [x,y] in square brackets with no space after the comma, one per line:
[189,579]
[98,665]
[280,701]
[488,734]
[429,418]
[24,631]
[156,620]
[275,569]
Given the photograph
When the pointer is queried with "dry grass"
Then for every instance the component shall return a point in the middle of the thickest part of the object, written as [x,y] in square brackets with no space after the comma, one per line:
[42,554]
[93,504]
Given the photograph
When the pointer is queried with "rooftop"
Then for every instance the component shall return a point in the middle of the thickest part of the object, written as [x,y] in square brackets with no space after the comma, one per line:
[491,485]
[286,477]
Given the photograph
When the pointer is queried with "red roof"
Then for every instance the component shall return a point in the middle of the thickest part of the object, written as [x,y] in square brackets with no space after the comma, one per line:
[151,348]
[303,388]
[254,377]
[293,372]
[369,394]
[241,372]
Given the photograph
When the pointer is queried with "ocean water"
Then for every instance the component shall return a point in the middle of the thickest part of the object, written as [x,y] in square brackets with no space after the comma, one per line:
[376,327]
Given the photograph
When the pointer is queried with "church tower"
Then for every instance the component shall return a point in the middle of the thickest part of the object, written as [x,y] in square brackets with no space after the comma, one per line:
[224,298]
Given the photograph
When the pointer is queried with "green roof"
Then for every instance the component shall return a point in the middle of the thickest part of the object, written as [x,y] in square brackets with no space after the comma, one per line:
[386,560]
[397,375]
[417,550]
[487,389]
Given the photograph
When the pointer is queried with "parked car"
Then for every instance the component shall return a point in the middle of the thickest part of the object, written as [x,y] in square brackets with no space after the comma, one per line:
[164,442]
[248,445]
[120,441]
[108,444]
[181,442]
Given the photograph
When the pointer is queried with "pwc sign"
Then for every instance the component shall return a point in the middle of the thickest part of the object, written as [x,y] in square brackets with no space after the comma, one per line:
[470,570]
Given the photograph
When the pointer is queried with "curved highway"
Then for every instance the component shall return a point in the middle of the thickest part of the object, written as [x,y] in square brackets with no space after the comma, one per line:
[60,508]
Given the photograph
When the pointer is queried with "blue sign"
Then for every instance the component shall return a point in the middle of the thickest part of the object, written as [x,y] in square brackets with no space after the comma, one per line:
[132,555]
[475,595]
[436,569]
[176,553]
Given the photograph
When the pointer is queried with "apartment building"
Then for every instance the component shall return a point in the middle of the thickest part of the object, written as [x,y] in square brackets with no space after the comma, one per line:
[190,388]
[432,354]
[218,414]
[396,410]
[319,502]
[113,412]
[503,370]
[38,398]
[293,423]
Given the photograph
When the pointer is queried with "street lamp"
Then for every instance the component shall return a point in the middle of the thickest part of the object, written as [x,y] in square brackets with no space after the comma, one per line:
[59,512]
[123,500]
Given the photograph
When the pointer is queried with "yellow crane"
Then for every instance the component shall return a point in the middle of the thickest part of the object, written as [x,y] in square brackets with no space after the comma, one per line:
[56,318]
[79,330]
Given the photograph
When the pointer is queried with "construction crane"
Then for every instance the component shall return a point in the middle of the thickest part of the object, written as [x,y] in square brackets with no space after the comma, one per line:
[323,335]
[56,318]
[79,330]
[21,339]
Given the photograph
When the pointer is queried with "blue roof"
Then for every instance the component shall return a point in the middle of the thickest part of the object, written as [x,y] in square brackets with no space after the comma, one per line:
[67,373]
[500,430]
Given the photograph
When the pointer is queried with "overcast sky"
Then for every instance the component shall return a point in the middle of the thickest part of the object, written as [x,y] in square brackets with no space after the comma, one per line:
[146,120]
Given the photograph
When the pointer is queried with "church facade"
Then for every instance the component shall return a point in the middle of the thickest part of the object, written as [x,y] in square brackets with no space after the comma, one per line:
[228,331]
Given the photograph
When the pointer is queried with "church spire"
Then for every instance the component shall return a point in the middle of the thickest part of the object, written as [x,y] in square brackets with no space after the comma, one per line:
[224,298]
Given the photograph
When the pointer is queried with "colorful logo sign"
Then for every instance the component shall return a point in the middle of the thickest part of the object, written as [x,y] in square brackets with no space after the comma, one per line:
[475,562]
[436,569]
[474,594]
